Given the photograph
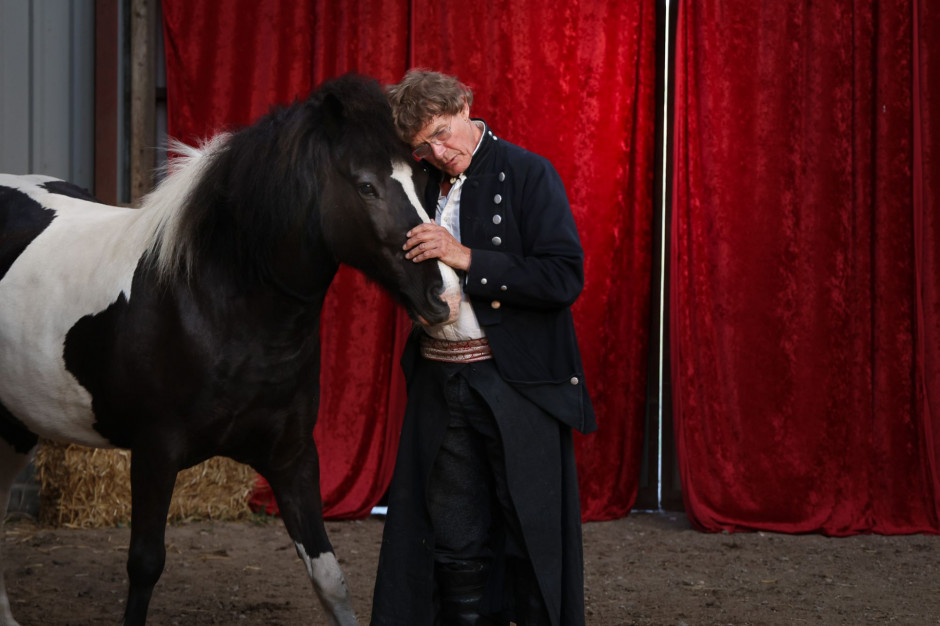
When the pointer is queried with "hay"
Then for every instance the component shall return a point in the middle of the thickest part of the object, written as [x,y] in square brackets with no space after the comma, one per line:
[90,488]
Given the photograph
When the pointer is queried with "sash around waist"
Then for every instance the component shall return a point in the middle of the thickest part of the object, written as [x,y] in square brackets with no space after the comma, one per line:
[467,351]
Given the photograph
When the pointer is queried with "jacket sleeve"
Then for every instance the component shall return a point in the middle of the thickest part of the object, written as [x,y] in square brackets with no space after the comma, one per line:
[538,262]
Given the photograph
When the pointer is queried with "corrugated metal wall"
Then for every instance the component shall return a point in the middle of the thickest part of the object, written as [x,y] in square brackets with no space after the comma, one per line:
[47,115]
[47,54]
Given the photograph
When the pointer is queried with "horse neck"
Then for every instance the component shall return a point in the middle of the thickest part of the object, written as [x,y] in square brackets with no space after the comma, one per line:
[251,312]
[278,293]
[301,268]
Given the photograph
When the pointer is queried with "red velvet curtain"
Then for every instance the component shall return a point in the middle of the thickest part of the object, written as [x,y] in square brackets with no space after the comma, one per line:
[805,301]
[572,80]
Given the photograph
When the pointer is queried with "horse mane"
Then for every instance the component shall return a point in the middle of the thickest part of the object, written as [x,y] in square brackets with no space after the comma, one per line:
[239,195]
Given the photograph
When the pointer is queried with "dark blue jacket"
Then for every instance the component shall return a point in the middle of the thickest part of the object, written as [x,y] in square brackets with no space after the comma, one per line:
[527,269]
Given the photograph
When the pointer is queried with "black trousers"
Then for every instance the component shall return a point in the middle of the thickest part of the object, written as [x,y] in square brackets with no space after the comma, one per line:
[472,511]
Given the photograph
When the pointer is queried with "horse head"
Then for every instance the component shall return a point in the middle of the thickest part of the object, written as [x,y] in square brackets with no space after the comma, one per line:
[371,199]
[321,182]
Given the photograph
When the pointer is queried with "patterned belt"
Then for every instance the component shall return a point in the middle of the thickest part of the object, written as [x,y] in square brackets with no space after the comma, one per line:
[469,351]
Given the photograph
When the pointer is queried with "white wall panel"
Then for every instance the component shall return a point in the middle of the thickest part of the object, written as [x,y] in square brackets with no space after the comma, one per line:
[14,86]
[47,88]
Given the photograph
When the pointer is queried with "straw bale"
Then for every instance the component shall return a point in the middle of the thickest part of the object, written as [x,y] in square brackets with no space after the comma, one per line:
[84,487]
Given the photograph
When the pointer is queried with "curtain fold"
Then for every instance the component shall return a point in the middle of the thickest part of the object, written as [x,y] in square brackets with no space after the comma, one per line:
[926,69]
[570,80]
[574,82]
[225,68]
[804,355]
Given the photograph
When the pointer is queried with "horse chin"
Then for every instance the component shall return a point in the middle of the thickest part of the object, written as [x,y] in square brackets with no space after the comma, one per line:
[440,319]
[453,311]
[438,306]
[452,294]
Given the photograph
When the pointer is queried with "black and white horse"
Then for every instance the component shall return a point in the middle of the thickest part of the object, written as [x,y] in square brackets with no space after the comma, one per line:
[188,328]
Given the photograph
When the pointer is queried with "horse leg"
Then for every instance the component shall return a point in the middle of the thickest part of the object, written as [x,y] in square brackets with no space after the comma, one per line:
[297,491]
[11,462]
[152,481]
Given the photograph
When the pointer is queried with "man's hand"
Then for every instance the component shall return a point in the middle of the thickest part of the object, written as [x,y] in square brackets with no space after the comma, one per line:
[430,241]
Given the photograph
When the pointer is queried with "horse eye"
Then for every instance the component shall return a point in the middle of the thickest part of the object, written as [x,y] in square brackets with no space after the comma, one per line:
[367,189]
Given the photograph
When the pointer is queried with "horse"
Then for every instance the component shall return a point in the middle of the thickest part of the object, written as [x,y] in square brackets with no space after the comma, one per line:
[189,327]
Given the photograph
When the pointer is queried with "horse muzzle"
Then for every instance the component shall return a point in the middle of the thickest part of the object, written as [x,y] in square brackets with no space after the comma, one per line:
[451,295]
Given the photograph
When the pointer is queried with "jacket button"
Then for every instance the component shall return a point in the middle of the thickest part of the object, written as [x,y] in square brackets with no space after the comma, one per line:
[497,241]
[495,304]
[502,176]
[574,380]
[483,281]
[503,288]
[497,198]
[497,219]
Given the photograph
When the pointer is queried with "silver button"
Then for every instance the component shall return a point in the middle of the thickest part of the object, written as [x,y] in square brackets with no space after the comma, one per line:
[503,288]
[496,241]
[482,281]
[497,198]
[497,219]
[574,380]
[495,304]
[502,176]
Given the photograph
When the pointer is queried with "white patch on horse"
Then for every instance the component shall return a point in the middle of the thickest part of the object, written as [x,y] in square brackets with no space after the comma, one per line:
[330,585]
[88,244]
[452,293]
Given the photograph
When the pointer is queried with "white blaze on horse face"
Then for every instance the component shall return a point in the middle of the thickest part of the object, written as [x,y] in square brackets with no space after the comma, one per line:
[401,172]
[330,585]
[87,244]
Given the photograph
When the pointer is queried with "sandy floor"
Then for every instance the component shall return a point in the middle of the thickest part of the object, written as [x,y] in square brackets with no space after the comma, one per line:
[644,569]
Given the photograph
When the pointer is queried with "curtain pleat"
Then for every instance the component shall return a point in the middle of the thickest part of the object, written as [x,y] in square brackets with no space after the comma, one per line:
[227,65]
[804,358]
[926,183]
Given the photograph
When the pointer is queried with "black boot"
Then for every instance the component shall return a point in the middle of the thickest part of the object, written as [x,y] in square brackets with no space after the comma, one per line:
[460,587]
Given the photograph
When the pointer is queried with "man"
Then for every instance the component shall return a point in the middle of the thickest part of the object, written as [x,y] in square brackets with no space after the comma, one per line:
[484,519]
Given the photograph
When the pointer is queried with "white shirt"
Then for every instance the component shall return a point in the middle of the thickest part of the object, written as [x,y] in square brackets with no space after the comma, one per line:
[448,215]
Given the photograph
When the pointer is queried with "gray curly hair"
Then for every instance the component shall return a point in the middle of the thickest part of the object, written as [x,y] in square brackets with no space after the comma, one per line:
[421,96]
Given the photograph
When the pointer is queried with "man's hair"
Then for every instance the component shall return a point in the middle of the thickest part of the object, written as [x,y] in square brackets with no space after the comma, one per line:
[421,96]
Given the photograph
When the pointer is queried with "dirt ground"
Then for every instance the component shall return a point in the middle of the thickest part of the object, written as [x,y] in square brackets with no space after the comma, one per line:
[645,569]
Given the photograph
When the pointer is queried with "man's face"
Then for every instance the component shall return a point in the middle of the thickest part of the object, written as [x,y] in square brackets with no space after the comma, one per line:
[447,142]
